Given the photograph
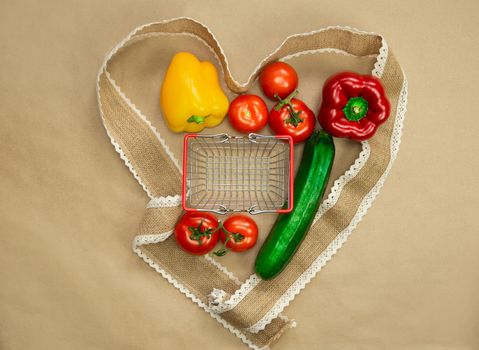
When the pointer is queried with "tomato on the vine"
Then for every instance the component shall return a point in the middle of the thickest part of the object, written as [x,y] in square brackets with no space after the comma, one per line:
[278,79]
[248,113]
[196,232]
[292,117]
[238,233]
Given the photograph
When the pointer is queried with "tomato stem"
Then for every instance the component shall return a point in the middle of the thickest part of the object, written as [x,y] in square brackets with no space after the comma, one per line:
[294,118]
[285,101]
[197,234]
[238,237]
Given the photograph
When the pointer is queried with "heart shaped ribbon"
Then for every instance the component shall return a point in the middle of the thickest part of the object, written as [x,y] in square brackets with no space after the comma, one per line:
[250,309]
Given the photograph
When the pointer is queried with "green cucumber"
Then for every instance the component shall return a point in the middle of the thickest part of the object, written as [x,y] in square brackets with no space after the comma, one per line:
[290,229]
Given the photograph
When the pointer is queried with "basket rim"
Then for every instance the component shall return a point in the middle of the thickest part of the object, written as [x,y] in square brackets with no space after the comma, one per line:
[252,137]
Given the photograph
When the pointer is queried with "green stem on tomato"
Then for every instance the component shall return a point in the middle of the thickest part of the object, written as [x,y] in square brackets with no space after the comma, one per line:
[285,101]
[294,118]
[197,234]
[238,237]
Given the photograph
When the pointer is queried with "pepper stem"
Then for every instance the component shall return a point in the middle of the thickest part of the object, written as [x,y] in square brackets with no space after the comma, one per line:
[355,109]
[198,119]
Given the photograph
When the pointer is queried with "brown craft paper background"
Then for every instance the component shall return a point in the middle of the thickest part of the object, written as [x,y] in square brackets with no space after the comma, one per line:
[408,277]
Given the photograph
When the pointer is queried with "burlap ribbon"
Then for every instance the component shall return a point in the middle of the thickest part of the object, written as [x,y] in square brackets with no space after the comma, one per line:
[250,309]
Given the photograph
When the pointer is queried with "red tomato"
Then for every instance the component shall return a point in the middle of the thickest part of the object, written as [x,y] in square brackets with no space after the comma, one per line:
[299,127]
[241,232]
[278,78]
[195,232]
[248,113]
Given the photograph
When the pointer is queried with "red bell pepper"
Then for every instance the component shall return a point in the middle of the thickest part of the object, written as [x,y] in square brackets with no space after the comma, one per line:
[353,106]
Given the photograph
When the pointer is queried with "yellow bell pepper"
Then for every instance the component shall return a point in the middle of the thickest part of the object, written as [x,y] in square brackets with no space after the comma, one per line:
[191,97]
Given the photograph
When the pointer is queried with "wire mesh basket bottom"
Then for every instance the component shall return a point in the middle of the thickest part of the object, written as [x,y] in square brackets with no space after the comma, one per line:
[223,173]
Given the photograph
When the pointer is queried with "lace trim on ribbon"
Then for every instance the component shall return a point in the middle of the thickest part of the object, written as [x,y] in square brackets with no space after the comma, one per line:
[333,197]
[338,242]
[165,202]
[336,190]
[148,239]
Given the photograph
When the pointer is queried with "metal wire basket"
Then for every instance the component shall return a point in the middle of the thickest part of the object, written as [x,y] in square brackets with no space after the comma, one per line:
[223,173]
